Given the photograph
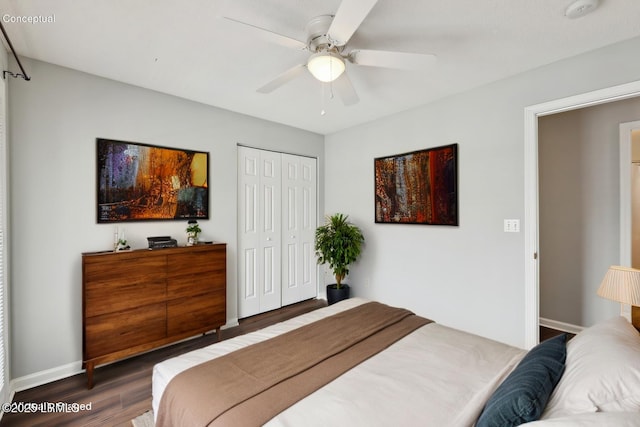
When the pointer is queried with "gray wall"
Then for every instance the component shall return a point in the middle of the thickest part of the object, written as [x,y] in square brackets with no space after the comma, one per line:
[54,121]
[471,276]
[579,167]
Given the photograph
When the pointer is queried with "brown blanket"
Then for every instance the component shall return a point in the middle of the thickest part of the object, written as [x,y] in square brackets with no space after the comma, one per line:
[250,386]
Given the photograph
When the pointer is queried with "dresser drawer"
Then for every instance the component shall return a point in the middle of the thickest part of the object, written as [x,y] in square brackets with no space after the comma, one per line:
[198,272]
[207,311]
[201,260]
[194,284]
[118,331]
[120,284]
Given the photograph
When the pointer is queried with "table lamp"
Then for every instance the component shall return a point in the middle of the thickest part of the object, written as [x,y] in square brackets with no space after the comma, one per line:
[622,284]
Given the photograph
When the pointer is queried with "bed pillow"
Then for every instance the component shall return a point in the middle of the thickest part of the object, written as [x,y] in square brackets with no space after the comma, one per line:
[602,373]
[595,419]
[522,396]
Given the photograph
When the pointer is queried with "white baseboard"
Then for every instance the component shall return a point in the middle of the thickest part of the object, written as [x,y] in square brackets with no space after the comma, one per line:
[230,324]
[560,326]
[60,372]
[46,376]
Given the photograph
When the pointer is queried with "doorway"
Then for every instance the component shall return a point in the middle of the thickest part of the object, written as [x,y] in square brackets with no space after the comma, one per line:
[531,228]
[630,205]
[629,143]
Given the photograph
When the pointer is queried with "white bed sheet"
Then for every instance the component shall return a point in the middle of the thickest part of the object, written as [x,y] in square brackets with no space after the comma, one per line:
[436,376]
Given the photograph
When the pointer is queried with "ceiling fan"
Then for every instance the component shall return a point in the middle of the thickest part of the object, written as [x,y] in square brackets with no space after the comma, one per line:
[327,39]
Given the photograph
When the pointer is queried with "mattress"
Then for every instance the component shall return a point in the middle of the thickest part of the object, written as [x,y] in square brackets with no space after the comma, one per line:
[434,376]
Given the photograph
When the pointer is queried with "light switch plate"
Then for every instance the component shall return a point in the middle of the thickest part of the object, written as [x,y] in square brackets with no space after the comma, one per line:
[511,225]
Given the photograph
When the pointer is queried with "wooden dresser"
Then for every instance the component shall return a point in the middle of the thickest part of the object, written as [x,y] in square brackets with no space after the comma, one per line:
[138,300]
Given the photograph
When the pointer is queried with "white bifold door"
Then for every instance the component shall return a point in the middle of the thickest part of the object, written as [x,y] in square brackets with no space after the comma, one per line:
[277,214]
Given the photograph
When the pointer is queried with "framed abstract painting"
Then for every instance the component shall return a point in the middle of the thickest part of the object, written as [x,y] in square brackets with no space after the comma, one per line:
[420,187]
[143,182]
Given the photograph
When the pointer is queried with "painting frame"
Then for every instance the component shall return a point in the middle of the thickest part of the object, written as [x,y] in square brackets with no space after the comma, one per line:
[145,182]
[418,187]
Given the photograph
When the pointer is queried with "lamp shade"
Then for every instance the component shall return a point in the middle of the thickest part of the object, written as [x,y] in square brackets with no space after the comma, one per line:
[621,284]
[326,66]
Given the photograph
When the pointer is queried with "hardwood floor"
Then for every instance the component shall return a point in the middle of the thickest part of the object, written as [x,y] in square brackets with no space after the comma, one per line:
[122,390]
[546,333]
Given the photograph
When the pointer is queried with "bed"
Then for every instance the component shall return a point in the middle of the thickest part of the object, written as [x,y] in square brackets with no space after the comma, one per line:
[431,375]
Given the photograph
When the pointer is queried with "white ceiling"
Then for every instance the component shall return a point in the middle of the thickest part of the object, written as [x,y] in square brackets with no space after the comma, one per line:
[185,48]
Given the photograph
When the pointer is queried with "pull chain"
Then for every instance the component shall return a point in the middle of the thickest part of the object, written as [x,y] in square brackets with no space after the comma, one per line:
[324,85]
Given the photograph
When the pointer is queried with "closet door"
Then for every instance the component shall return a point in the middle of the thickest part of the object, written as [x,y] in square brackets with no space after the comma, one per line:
[299,213]
[259,229]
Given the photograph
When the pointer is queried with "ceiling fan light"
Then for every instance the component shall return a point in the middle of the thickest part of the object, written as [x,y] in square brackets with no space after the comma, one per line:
[326,66]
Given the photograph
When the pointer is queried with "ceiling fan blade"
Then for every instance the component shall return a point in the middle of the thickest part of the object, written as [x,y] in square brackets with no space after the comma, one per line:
[345,89]
[388,59]
[283,78]
[348,18]
[271,36]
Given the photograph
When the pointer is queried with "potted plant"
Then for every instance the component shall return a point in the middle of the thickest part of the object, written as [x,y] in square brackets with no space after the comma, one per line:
[193,230]
[120,242]
[338,243]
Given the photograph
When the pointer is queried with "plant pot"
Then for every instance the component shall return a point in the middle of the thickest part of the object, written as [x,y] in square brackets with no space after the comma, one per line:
[334,294]
[192,239]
